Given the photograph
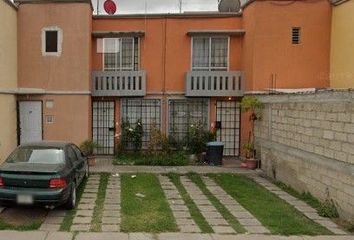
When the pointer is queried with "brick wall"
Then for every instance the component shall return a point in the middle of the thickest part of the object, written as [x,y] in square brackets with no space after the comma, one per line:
[307,141]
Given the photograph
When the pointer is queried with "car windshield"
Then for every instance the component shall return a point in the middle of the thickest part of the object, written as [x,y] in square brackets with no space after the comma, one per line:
[37,155]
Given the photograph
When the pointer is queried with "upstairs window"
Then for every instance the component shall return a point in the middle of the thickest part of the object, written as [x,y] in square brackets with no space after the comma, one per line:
[52,38]
[121,54]
[210,54]
[296,35]
[51,41]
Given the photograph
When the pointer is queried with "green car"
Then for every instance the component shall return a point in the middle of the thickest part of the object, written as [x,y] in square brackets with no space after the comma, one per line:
[45,174]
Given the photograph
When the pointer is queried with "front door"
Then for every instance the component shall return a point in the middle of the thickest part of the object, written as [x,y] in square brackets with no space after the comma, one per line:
[30,121]
[103,126]
[228,114]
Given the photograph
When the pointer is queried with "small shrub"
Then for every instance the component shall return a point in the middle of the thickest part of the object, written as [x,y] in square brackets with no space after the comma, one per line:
[88,147]
[198,137]
[175,159]
[328,209]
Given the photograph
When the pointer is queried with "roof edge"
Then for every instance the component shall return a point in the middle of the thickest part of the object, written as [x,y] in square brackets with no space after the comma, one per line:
[11,4]
[338,2]
[170,15]
[19,2]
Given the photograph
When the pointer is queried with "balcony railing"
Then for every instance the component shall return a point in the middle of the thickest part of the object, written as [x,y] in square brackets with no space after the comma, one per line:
[214,84]
[119,83]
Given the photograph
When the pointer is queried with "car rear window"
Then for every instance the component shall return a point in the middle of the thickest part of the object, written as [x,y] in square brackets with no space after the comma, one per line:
[37,155]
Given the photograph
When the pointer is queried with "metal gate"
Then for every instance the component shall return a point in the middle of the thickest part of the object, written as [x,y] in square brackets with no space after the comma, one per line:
[103,126]
[228,114]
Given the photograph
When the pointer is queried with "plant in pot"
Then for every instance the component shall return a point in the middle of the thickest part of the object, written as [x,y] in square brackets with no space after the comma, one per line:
[88,147]
[252,106]
[196,141]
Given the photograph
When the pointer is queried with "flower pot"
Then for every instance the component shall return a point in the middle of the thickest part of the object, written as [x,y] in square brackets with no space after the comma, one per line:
[251,163]
[91,161]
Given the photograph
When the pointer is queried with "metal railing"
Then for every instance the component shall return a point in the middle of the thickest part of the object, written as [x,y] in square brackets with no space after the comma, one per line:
[214,84]
[119,83]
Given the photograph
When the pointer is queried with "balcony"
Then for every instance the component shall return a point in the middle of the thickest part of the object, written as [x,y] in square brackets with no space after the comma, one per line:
[214,84]
[119,83]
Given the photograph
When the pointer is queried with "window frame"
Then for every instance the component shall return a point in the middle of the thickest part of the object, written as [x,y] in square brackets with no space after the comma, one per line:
[59,41]
[210,68]
[120,68]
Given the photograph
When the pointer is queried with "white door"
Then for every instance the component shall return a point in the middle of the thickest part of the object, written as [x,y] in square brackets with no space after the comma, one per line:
[228,114]
[30,121]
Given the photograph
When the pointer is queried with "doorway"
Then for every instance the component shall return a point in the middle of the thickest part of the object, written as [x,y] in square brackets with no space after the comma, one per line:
[30,121]
[228,114]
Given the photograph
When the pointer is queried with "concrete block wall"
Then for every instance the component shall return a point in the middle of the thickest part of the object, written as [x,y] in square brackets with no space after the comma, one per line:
[307,141]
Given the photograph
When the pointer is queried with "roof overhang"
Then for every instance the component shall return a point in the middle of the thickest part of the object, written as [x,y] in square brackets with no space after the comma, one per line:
[106,34]
[231,33]
[19,2]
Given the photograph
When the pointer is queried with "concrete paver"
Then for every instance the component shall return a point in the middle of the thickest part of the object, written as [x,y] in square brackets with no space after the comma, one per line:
[111,207]
[208,210]
[180,211]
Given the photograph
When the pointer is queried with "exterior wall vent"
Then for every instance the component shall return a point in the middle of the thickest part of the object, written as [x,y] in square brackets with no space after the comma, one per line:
[296,35]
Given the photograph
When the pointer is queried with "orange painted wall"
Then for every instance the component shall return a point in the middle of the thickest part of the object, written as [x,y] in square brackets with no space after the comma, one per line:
[68,73]
[165,50]
[71,71]
[268,48]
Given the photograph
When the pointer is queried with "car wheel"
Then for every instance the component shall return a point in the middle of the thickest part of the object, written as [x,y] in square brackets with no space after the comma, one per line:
[71,203]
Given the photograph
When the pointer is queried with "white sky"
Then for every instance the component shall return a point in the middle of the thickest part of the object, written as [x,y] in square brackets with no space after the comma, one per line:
[159,6]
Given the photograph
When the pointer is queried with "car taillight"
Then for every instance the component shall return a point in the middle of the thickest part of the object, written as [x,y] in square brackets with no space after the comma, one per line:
[2,182]
[57,183]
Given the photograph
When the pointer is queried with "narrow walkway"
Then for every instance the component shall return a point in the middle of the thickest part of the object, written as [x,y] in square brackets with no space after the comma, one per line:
[104,165]
[53,220]
[181,213]
[245,218]
[83,217]
[301,206]
[111,210]
[207,209]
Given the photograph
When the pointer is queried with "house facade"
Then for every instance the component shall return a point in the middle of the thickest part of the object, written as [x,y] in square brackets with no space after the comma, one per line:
[8,77]
[342,73]
[84,76]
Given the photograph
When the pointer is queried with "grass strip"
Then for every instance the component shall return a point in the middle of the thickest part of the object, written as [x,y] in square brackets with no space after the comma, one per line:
[174,159]
[69,217]
[217,204]
[147,212]
[274,213]
[96,223]
[25,227]
[306,197]
[193,209]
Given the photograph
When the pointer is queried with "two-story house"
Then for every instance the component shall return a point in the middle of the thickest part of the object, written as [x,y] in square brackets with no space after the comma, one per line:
[82,76]
[8,77]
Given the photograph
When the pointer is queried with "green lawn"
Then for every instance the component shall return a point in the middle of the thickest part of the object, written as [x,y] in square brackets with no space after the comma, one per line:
[193,209]
[69,217]
[98,210]
[150,213]
[274,213]
[217,204]
[175,159]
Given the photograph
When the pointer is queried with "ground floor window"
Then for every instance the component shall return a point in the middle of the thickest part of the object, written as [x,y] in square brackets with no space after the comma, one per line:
[185,112]
[148,111]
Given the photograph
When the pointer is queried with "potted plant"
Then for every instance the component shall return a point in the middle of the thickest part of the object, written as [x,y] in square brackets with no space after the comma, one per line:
[253,106]
[88,147]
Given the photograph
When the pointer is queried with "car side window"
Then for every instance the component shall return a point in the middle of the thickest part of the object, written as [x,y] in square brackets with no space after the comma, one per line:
[77,151]
[72,155]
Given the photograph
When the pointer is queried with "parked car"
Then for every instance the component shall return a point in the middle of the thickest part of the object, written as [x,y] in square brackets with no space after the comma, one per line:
[43,173]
